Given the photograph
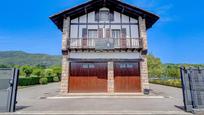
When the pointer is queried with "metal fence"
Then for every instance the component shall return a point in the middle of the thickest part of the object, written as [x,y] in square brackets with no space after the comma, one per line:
[8,89]
[193,88]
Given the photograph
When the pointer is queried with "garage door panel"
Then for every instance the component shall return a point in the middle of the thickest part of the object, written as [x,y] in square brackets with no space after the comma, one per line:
[88,77]
[127,77]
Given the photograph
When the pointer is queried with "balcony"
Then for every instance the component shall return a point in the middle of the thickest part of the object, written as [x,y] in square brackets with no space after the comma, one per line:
[105,43]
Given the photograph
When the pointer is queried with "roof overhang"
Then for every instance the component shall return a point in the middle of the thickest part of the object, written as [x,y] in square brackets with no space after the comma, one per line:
[115,5]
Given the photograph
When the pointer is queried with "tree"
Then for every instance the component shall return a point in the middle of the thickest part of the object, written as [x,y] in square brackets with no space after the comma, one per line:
[37,71]
[172,71]
[27,70]
[154,66]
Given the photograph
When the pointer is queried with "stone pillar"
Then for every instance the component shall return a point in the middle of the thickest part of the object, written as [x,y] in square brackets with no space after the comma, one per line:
[143,64]
[65,33]
[65,75]
[65,56]
[143,33]
[144,74]
[110,77]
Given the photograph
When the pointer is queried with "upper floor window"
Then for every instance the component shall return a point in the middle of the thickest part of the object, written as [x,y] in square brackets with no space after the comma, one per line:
[92,33]
[104,15]
[115,33]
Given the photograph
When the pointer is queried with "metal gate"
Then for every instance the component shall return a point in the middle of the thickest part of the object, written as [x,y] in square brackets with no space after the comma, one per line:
[193,88]
[8,89]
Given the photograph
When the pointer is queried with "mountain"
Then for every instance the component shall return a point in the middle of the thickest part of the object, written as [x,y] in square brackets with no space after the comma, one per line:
[23,58]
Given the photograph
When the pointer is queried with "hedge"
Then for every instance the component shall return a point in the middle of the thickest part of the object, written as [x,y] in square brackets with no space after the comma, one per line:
[26,81]
[173,83]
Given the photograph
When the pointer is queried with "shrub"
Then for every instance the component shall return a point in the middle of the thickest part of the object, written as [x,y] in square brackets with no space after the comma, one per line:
[28,81]
[49,79]
[173,83]
[43,80]
[56,79]
[33,75]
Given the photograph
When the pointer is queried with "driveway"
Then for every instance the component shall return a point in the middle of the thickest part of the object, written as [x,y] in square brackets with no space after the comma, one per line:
[45,99]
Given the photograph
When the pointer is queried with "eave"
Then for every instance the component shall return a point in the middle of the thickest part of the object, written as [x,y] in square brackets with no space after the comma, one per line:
[93,5]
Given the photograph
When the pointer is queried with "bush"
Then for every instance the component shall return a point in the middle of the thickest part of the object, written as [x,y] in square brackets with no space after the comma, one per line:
[56,79]
[43,80]
[28,81]
[34,80]
[49,79]
[173,83]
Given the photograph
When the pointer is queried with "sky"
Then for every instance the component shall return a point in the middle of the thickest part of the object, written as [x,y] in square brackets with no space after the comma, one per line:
[177,37]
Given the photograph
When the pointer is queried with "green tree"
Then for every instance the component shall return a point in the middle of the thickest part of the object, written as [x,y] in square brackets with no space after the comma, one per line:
[172,71]
[37,71]
[27,70]
[154,66]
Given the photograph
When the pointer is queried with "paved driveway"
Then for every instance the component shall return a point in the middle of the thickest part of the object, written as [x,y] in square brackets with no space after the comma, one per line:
[163,100]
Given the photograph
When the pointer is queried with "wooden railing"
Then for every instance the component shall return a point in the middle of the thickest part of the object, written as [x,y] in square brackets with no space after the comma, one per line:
[105,43]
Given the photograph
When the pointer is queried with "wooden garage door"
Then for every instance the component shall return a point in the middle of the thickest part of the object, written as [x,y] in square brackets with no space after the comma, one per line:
[127,77]
[88,77]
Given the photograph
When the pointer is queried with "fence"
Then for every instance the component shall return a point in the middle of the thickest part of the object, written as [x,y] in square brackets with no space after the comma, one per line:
[8,89]
[193,88]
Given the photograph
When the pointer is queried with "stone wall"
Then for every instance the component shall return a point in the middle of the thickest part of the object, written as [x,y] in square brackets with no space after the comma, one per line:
[144,74]
[65,56]
[143,64]
[143,33]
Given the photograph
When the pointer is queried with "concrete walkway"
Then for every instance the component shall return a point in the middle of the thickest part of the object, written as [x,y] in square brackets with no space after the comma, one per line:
[45,100]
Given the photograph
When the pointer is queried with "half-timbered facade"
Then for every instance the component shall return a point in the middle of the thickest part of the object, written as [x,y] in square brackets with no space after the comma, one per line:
[104,45]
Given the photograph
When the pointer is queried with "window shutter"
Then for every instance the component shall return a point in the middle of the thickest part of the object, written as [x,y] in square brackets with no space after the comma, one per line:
[123,33]
[84,33]
[97,15]
[111,15]
[100,33]
[107,33]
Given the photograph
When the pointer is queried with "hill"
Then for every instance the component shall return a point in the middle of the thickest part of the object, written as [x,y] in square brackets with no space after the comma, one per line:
[23,58]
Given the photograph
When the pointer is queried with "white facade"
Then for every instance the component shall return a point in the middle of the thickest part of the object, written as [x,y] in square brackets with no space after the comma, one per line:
[120,22]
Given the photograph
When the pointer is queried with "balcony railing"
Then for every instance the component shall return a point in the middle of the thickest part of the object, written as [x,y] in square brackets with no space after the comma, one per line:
[105,43]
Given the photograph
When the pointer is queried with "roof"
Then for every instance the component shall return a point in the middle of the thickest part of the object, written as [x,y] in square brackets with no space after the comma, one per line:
[115,5]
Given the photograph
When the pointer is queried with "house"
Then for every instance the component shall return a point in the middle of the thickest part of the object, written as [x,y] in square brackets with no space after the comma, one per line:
[104,44]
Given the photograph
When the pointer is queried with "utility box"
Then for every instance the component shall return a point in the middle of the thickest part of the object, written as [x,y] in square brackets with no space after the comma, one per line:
[8,89]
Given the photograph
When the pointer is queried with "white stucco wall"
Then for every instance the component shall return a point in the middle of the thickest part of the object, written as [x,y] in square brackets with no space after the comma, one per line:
[131,30]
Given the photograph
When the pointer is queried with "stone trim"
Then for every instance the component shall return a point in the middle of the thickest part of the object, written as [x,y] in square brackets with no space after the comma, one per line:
[143,33]
[65,34]
[144,74]
[65,75]
[65,55]
[110,77]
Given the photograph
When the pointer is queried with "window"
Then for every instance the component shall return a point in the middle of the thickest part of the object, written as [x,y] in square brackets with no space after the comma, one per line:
[104,15]
[116,33]
[85,65]
[91,66]
[129,65]
[126,65]
[92,33]
[88,65]
[122,65]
